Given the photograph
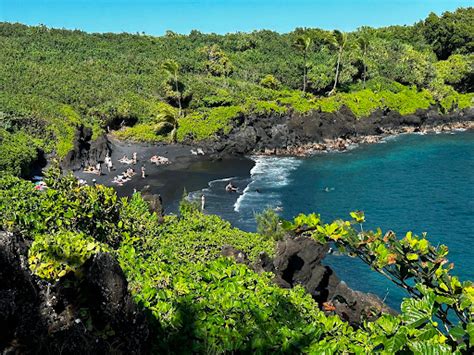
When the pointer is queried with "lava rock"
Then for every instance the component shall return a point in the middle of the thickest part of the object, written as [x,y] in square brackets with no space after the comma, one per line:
[298,261]
[88,314]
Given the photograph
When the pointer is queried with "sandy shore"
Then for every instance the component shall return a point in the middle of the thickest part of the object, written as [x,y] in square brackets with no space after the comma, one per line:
[186,171]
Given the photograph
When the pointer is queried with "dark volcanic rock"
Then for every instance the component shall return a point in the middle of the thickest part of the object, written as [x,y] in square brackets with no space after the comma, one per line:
[93,314]
[259,134]
[231,252]
[85,151]
[298,262]
[155,202]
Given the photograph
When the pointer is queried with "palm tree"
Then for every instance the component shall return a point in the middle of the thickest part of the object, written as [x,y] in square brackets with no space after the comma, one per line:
[303,43]
[172,68]
[364,43]
[168,117]
[338,40]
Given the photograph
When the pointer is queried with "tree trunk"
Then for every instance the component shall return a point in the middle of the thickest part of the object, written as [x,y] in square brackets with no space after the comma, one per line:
[304,72]
[179,94]
[365,74]
[337,72]
[365,66]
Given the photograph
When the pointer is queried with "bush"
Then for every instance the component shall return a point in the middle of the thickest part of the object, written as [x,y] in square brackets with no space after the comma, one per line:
[270,82]
[52,256]
[207,125]
[17,153]
[269,224]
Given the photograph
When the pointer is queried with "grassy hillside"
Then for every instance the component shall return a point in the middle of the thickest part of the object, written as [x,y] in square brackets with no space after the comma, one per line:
[53,80]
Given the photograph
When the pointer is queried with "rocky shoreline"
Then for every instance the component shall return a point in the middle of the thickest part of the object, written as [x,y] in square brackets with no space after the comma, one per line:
[287,135]
[343,144]
[298,135]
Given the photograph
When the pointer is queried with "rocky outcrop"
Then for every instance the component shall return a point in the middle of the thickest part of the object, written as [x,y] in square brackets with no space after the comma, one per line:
[91,314]
[86,152]
[298,261]
[155,202]
[305,134]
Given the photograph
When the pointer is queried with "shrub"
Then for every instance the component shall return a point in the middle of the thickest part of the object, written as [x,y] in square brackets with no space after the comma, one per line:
[206,125]
[52,256]
[141,132]
[269,224]
[265,108]
[17,153]
[270,82]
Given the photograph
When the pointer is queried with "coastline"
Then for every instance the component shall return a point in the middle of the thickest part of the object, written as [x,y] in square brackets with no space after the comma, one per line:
[191,172]
[186,171]
[344,144]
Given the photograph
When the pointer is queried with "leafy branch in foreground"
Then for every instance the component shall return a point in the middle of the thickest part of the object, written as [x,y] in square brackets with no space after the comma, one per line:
[411,263]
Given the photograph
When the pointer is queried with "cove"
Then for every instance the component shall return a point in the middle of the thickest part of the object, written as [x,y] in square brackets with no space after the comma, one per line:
[419,183]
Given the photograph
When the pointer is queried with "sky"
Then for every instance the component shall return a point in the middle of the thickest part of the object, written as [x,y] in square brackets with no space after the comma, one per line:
[219,16]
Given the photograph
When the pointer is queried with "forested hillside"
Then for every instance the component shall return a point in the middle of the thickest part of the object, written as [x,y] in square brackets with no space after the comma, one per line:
[192,86]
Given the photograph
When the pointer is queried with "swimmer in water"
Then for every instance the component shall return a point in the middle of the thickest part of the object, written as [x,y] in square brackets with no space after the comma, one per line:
[230,187]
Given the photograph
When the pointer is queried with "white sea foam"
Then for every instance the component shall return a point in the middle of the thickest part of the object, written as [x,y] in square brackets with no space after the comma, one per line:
[268,173]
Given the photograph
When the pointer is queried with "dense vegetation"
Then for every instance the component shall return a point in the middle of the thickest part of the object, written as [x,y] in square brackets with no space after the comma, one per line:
[193,86]
[199,301]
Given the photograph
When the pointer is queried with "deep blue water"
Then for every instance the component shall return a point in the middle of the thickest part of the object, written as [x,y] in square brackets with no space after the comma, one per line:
[422,183]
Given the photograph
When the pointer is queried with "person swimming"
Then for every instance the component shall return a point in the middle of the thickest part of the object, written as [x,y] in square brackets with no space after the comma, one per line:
[230,187]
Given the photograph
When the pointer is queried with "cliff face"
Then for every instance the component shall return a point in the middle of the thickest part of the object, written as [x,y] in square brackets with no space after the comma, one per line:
[298,261]
[86,151]
[299,135]
[93,314]
[290,135]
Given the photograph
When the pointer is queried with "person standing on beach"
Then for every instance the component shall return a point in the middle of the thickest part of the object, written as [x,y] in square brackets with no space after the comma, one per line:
[203,202]
[108,162]
[98,168]
[134,157]
[143,171]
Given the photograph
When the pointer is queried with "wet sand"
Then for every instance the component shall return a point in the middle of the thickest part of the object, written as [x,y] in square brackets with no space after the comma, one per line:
[186,171]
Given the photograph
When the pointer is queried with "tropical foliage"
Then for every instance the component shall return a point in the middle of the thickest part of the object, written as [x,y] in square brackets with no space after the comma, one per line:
[198,301]
[178,87]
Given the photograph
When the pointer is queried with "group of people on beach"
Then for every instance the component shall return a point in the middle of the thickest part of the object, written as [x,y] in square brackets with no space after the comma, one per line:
[125,176]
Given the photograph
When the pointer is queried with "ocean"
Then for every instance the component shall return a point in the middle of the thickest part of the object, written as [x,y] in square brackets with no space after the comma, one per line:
[411,182]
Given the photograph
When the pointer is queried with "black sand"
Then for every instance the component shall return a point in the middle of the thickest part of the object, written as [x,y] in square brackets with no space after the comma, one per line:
[186,171]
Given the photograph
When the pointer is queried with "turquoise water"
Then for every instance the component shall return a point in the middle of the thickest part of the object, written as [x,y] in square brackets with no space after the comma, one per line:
[422,183]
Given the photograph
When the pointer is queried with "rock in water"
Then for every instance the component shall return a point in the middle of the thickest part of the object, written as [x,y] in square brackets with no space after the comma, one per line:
[298,262]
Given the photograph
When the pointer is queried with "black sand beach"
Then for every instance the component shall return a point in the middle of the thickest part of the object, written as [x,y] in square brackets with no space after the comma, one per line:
[186,170]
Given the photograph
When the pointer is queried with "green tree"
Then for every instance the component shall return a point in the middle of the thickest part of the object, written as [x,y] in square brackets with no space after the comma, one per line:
[339,41]
[217,63]
[171,67]
[450,33]
[457,70]
[303,44]
[167,119]
[364,42]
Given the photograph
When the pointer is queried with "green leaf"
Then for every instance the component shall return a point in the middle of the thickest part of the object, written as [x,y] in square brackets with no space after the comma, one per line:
[457,332]
[412,256]
[415,312]
[470,331]
[396,343]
